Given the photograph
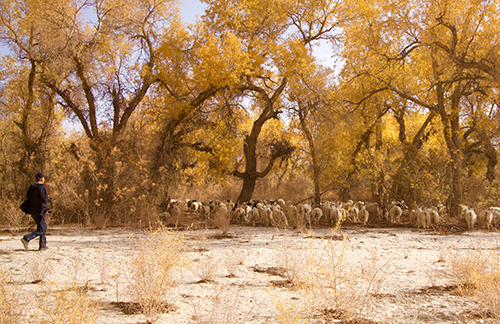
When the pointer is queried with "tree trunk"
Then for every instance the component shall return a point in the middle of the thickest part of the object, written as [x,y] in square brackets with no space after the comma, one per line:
[250,175]
[345,191]
[452,138]
[247,189]
[400,187]
[315,163]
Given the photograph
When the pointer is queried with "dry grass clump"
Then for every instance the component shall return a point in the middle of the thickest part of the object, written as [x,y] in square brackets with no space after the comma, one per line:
[222,219]
[221,307]
[69,305]
[206,270]
[328,284]
[13,217]
[465,269]
[476,274]
[39,267]
[10,307]
[152,271]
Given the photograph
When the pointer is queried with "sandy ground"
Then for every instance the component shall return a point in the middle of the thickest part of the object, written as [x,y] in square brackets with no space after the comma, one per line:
[239,278]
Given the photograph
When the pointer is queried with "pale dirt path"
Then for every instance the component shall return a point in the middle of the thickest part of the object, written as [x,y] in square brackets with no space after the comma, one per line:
[411,292]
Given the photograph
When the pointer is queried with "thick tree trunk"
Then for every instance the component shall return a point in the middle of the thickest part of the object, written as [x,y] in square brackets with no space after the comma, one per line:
[400,188]
[247,189]
[345,191]
[452,138]
[250,175]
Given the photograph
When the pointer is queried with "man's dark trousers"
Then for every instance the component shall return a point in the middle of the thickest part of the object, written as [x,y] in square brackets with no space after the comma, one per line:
[41,229]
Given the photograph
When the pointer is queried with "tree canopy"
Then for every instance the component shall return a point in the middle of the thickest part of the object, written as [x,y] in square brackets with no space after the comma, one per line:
[239,102]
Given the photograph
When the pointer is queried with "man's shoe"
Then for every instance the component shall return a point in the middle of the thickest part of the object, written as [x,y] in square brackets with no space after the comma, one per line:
[25,243]
[43,248]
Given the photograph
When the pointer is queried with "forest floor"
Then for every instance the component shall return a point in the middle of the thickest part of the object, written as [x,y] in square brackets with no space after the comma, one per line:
[260,275]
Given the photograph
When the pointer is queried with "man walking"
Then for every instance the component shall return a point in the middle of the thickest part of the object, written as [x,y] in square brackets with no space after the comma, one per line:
[38,199]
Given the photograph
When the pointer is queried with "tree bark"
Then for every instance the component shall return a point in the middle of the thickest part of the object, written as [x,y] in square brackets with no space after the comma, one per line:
[400,188]
[250,175]
[314,156]
[345,191]
[452,138]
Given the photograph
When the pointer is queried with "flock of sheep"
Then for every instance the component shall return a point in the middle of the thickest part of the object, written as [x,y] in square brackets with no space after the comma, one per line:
[282,214]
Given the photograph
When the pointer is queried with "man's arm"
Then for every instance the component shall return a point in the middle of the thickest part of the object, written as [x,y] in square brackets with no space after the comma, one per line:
[43,195]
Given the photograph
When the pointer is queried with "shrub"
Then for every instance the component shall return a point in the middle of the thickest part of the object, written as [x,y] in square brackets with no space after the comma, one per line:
[15,219]
[152,271]
[329,284]
[476,274]
[10,307]
[69,305]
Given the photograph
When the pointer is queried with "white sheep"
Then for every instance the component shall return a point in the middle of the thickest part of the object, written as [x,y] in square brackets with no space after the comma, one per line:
[423,218]
[253,215]
[266,215]
[205,211]
[315,216]
[413,217]
[239,214]
[427,219]
[374,210]
[292,214]
[496,215]
[305,211]
[336,216]
[470,218]
[434,216]
[484,218]
[279,218]
[354,213]
[462,210]
[395,213]
[363,215]
[326,208]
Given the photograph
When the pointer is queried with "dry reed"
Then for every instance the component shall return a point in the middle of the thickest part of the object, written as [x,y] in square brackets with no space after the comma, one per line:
[152,271]
[11,311]
[69,305]
[476,274]
[328,284]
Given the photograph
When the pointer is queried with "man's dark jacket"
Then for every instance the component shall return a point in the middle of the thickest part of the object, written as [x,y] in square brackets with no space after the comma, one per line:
[37,196]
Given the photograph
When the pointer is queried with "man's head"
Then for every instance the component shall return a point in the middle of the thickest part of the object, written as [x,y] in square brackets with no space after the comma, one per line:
[40,178]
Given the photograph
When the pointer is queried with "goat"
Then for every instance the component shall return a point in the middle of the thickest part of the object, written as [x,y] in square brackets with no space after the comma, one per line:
[192,205]
[353,213]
